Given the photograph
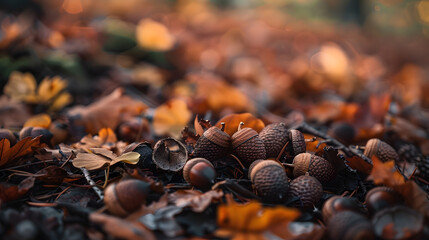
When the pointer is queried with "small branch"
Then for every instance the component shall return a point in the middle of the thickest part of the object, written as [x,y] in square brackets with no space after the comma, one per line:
[92,183]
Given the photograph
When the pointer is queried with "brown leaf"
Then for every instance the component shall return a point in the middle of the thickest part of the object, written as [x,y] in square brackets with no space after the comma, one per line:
[359,164]
[107,112]
[385,173]
[9,192]
[195,199]
[21,148]
[189,137]
[100,157]
[52,175]
[198,128]
[232,121]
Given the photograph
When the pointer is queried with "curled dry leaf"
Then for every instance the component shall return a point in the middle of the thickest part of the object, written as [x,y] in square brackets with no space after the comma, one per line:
[101,157]
[197,200]
[233,120]
[21,148]
[169,154]
[171,117]
[154,36]
[107,112]
[252,220]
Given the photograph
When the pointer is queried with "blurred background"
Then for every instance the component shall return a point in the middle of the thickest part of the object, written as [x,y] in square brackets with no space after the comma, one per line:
[333,60]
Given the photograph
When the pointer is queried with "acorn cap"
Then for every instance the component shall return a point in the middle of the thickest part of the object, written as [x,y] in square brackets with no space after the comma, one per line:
[316,166]
[218,137]
[308,189]
[381,149]
[301,162]
[298,141]
[190,163]
[242,136]
[169,154]
[351,226]
[270,181]
[274,136]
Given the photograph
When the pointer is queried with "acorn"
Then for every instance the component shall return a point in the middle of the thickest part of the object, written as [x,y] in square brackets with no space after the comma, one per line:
[399,223]
[247,146]
[269,180]
[297,144]
[200,173]
[316,166]
[308,189]
[380,198]
[343,132]
[124,197]
[169,154]
[351,226]
[8,134]
[60,132]
[275,136]
[338,204]
[380,149]
[213,144]
[35,132]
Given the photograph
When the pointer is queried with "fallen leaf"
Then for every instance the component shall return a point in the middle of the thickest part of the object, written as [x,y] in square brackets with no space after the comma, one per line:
[101,157]
[21,148]
[20,86]
[107,112]
[357,163]
[171,117]
[414,196]
[9,192]
[155,36]
[385,173]
[40,120]
[51,175]
[198,128]
[251,220]
[106,135]
[232,121]
[195,199]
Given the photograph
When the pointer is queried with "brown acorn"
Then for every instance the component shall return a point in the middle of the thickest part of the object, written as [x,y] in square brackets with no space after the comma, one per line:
[126,196]
[380,198]
[274,136]
[6,133]
[351,226]
[200,173]
[380,149]
[316,166]
[343,132]
[60,132]
[297,144]
[308,189]
[247,146]
[35,132]
[213,144]
[269,180]
[337,204]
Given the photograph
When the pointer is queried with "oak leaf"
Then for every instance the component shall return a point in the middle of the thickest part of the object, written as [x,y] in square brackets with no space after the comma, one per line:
[252,220]
[21,148]
[232,121]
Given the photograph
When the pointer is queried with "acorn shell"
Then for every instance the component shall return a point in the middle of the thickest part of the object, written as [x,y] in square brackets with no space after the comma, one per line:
[351,226]
[213,144]
[126,196]
[308,189]
[382,150]
[208,175]
[274,136]
[247,146]
[298,142]
[169,154]
[269,181]
[316,166]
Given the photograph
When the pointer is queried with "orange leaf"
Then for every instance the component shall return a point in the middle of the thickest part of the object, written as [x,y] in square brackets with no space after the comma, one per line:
[21,148]
[40,120]
[107,135]
[171,117]
[385,173]
[252,217]
[359,164]
[198,128]
[154,36]
[233,120]
[311,146]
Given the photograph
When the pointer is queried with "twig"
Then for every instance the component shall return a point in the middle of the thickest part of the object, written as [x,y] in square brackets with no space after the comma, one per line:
[92,183]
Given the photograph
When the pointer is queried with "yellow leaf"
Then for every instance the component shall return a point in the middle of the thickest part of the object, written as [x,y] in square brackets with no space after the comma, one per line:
[129,157]
[50,88]
[20,86]
[154,35]
[106,135]
[171,117]
[40,120]
[61,101]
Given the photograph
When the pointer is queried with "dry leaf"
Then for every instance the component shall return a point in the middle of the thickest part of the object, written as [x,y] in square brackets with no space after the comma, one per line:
[21,148]
[20,86]
[414,196]
[198,128]
[195,199]
[251,220]
[107,112]
[106,135]
[385,173]
[101,157]
[154,36]
[171,117]
[40,120]
[232,121]
[359,164]
[10,192]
